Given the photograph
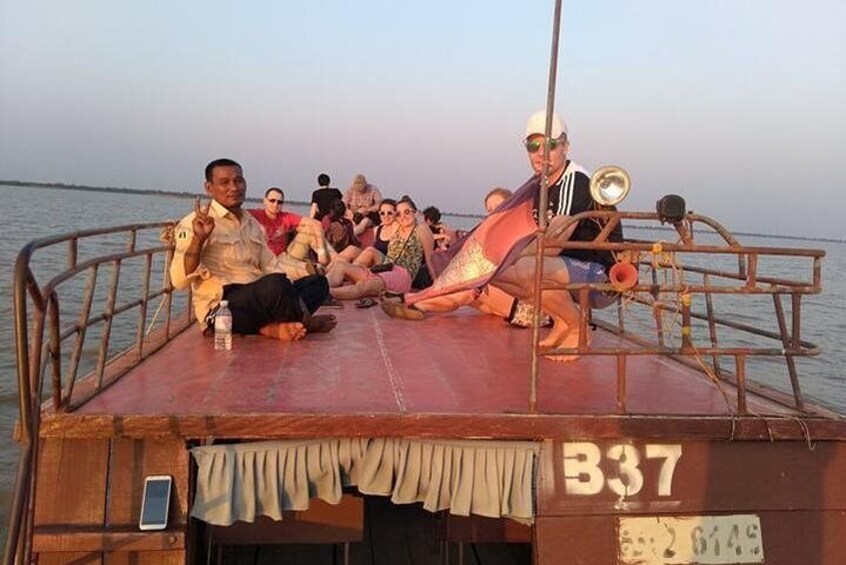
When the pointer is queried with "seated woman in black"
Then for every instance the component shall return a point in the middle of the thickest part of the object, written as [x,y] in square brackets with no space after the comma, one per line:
[339,231]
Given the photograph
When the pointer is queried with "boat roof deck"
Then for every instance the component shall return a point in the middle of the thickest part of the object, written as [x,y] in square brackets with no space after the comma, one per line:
[459,363]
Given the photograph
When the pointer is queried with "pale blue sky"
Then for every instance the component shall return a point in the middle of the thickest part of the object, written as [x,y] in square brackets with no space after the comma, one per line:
[736,105]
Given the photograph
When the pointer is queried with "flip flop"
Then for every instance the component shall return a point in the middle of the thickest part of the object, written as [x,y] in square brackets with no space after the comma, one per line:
[401,311]
[366,303]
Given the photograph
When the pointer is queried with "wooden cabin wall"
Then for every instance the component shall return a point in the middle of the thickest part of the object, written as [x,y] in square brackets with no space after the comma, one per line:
[88,501]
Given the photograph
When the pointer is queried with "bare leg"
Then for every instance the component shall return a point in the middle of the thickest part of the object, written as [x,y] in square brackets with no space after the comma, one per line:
[336,272]
[310,236]
[447,302]
[518,280]
[494,301]
[340,270]
[350,252]
[369,257]
[370,287]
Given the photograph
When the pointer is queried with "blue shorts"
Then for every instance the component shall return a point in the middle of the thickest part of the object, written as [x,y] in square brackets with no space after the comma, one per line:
[589,272]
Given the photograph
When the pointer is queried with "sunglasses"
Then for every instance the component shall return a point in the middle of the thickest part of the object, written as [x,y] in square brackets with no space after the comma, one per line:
[386,212]
[406,212]
[275,201]
[533,145]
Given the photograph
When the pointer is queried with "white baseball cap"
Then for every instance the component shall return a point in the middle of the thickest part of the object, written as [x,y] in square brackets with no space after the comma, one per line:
[537,125]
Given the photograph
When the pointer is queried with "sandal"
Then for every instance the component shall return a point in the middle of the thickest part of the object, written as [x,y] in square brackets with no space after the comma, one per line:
[402,311]
[366,303]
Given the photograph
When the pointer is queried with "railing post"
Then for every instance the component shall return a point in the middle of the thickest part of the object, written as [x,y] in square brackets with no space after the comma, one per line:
[788,345]
[752,273]
[712,325]
[584,314]
[621,383]
[740,371]
[656,308]
[687,344]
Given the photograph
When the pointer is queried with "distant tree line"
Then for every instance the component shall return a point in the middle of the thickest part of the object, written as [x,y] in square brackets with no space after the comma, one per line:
[184,194]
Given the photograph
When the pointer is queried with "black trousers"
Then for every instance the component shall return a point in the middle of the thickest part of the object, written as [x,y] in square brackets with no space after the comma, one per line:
[274,298]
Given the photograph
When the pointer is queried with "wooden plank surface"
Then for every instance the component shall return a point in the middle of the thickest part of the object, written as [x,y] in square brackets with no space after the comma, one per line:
[131,462]
[463,362]
[59,539]
[71,482]
[496,426]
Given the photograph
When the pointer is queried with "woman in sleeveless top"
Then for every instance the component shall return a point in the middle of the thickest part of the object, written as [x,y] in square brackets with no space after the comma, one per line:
[384,232]
[375,253]
[412,245]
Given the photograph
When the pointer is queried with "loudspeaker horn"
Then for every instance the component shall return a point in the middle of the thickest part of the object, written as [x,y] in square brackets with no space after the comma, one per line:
[623,276]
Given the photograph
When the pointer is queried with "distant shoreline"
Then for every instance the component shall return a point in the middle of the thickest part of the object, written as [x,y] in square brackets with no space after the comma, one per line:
[184,194]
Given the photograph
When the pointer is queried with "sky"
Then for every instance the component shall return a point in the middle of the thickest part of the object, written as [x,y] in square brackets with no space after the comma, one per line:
[736,105]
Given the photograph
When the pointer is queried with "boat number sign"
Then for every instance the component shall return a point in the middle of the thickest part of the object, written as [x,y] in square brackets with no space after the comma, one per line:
[584,462]
[705,540]
[589,469]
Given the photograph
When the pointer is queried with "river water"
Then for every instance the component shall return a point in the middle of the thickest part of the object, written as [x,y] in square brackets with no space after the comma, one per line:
[38,212]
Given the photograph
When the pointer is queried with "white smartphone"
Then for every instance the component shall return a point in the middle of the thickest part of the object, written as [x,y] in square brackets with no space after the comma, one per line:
[156,502]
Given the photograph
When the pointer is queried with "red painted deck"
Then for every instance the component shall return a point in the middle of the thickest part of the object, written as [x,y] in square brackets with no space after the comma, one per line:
[459,363]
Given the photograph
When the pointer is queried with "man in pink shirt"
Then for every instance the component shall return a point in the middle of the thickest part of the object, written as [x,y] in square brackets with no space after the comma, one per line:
[289,232]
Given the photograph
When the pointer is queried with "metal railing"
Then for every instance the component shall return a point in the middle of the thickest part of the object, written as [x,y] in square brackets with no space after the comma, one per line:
[40,334]
[673,280]
[671,290]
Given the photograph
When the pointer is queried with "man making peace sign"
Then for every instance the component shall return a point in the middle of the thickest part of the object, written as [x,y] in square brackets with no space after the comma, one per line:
[222,253]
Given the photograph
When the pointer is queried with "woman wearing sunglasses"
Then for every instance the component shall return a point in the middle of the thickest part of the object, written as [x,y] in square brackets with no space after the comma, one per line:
[411,244]
[383,233]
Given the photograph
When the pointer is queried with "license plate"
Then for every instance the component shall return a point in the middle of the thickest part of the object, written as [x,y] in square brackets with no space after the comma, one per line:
[690,540]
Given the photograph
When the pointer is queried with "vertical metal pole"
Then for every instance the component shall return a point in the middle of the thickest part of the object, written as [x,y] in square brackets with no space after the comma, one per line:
[752,273]
[686,337]
[542,204]
[712,325]
[621,383]
[740,371]
[656,310]
[788,344]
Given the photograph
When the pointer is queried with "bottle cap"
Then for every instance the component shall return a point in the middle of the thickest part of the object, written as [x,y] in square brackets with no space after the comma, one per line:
[224,303]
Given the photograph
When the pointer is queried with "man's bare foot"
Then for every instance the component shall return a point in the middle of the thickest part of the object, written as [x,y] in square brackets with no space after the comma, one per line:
[284,331]
[570,341]
[556,335]
[321,323]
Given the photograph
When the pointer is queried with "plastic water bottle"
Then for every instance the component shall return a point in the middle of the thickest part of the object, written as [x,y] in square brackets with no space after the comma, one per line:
[223,327]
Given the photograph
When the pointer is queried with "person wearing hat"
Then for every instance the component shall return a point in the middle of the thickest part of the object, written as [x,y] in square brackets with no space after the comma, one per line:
[568,194]
[498,250]
[363,200]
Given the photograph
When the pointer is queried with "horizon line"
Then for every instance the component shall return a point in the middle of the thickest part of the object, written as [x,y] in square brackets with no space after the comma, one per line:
[185,194]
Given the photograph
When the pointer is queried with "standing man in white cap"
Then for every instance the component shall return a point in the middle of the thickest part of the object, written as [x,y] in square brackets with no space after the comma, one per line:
[568,194]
